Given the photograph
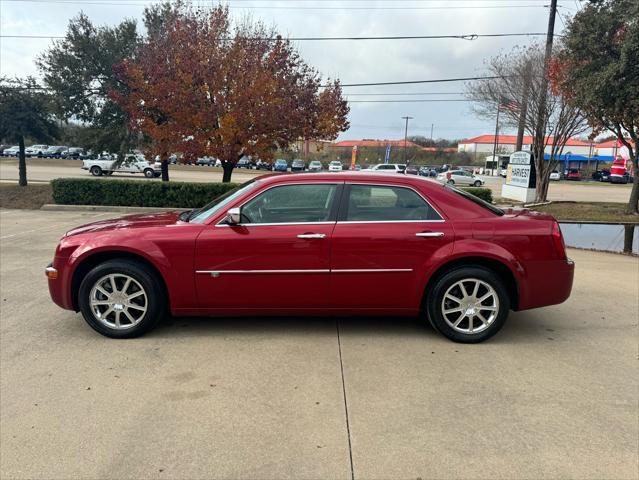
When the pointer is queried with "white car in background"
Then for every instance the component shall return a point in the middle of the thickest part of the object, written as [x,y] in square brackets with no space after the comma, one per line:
[11,151]
[460,177]
[388,167]
[335,166]
[35,150]
[555,175]
[133,163]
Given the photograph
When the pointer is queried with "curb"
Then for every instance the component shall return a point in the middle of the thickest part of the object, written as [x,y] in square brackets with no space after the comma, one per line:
[52,207]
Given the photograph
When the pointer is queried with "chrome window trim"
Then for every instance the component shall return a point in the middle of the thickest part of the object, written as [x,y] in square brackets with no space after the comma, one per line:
[217,273]
[317,182]
[363,182]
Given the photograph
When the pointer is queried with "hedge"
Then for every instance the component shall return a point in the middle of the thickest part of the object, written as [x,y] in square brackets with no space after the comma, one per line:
[480,192]
[135,193]
[140,193]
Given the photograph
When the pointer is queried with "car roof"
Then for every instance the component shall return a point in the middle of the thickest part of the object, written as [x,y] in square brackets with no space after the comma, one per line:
[349,175]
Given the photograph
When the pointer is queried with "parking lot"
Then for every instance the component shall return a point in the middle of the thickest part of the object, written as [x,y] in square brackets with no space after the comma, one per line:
[45,170]
[553,395]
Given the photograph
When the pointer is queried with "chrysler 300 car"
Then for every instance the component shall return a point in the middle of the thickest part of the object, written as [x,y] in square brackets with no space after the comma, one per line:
[354,243]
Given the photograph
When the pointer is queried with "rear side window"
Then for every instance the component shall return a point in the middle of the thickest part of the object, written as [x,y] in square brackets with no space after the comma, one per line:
[378,203]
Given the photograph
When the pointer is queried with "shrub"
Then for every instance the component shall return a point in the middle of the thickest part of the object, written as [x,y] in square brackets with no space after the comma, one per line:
[485,194]
[135,193]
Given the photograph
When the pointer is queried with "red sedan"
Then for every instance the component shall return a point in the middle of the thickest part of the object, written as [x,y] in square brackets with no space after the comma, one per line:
[350,243]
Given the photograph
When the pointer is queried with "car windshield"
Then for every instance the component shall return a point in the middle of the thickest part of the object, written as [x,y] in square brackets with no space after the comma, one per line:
[335,163]
[202,214]
[477,200]
[280,162]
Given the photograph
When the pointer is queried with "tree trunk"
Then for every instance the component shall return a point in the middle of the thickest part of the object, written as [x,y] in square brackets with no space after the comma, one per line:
[227,168]
[628,236]
[22,164]
[633,203]
[164,167]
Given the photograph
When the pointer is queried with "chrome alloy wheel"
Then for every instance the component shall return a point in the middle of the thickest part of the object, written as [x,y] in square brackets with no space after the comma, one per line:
[470,306]
[118,301]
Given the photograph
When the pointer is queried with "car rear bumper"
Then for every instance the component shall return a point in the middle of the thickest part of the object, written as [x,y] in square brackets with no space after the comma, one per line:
[546,283]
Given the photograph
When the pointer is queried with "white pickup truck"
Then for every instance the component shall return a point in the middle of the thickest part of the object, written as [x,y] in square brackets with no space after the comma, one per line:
[131,164]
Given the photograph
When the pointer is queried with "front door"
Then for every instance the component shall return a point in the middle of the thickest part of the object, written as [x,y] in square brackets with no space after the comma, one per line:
[278,257]
[382,244]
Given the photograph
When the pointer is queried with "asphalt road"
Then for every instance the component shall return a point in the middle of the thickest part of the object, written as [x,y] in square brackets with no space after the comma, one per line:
[554,395]
[45,170]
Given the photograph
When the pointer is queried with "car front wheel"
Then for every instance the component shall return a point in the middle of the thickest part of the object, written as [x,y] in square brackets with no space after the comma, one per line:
[477,183]
[96,171]
[468,304]
[121,298]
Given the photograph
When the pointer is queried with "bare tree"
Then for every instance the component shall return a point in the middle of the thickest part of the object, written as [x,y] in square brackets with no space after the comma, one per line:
[518,89]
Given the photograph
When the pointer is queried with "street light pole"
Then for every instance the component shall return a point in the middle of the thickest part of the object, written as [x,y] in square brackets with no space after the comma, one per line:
[406,136]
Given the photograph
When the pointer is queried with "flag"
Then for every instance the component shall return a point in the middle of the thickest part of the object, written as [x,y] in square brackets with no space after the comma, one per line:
[387,156]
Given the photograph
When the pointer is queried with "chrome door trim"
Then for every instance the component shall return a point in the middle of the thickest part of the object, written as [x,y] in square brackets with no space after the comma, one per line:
[346,222]
[370,270]
[217,273]
[272,224]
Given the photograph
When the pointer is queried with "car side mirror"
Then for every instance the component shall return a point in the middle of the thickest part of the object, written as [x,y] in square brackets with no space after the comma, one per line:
[233,216]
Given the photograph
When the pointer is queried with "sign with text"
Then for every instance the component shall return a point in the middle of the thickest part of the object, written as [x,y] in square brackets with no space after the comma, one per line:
[521,171]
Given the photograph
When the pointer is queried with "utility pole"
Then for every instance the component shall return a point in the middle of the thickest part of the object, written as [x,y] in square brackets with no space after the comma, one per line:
[432,125]
[406,136]
[496,132]
[540,127]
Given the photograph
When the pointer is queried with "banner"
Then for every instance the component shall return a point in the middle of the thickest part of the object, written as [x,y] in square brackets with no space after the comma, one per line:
[387,157]
[353,157]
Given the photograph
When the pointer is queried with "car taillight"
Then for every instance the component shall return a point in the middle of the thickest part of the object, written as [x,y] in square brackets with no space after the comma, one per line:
[558,240]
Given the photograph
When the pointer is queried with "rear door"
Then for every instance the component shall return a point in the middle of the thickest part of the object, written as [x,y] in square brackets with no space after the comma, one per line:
[382,244]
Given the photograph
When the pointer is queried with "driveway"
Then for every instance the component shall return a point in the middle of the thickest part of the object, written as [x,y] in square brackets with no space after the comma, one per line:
[554,395]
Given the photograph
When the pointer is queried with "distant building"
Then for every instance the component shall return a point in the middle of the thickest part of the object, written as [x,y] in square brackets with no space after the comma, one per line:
[374,143]
[484,144]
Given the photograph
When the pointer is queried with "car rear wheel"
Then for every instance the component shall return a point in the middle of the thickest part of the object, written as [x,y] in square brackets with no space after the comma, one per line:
[451,182]
[149,173]
[96,171]
[121,299]
[477,183]
[468,304]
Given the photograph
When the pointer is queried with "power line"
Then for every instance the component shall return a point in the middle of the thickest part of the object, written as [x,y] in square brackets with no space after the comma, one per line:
[405,93]
[275,7]
[469,36]
[409,82]
[412,101]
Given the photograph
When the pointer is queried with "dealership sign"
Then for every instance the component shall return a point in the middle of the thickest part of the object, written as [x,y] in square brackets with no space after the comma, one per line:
[520,177]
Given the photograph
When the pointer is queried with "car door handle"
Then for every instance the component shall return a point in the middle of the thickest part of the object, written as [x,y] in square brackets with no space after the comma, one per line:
[311,235]
[429,234]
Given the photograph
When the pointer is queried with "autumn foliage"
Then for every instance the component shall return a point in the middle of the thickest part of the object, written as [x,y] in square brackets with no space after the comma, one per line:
[201,86]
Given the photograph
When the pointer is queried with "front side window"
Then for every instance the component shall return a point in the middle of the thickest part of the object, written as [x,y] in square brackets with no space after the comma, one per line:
[291,204]
[375,203]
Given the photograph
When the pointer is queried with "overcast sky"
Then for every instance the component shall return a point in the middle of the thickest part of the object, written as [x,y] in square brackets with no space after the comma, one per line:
[350,61]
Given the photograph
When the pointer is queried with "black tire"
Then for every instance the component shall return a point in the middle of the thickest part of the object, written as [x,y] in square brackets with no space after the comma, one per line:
[435,298]
[451,182]
[149,173]
[156,304]
[477,183]
[96,171]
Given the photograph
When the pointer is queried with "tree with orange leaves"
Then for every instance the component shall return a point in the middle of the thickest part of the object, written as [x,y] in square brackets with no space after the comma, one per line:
[204,87]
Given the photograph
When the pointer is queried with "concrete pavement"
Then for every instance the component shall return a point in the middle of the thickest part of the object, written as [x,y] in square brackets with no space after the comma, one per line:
[554,395]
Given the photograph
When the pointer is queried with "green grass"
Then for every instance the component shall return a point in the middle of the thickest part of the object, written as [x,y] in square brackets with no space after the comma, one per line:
[588,211]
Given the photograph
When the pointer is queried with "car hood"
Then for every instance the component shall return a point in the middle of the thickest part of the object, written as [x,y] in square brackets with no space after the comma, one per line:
[128,222]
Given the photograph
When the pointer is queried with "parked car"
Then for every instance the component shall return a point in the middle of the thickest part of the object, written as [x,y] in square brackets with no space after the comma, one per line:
[362,244]
[208,161]
[503,172]
[460,177]
[262,165]
[602,175]
[555,175]
[389,167]
[54,151]
[131,164]
[35,150]
[244,162]
[298,165]
[280,165]
[411,170]
[335,166]
[11,151]
[428,172]
[315,166]
[573,174]
[72,153]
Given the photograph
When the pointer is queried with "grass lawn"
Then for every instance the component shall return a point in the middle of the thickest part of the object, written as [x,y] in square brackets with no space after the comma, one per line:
[588,211]
[32,196]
